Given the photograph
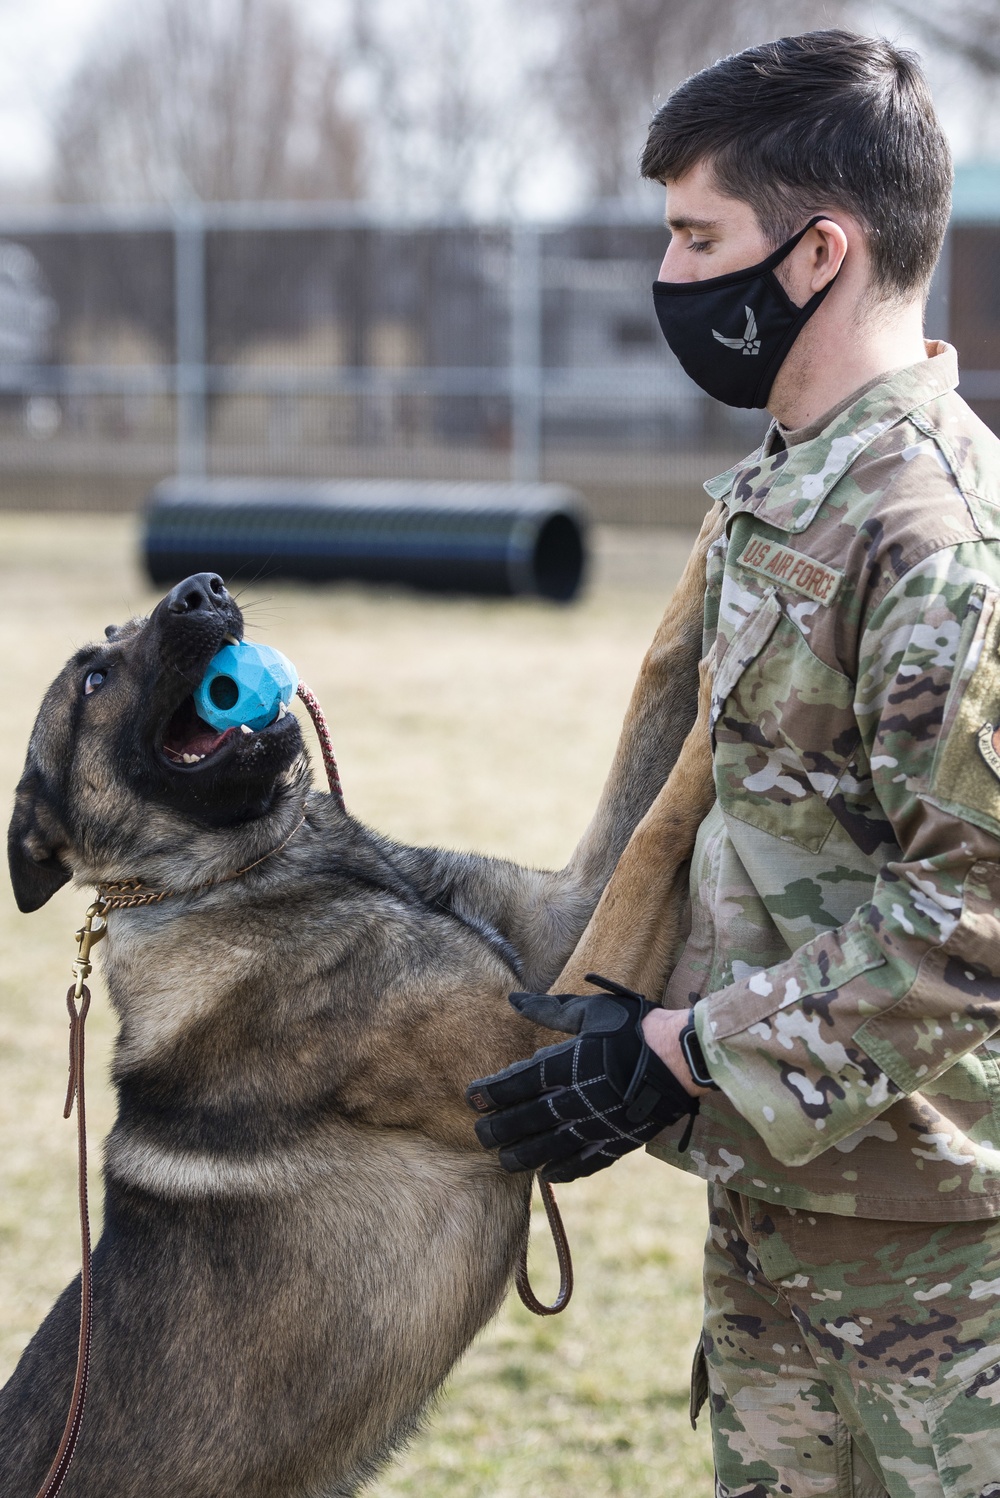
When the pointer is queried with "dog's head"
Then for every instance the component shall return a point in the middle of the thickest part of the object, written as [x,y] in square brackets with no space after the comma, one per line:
[122,777]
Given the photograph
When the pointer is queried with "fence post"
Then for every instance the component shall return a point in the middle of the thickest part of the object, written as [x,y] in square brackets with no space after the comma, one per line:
[526,353]
[190,340]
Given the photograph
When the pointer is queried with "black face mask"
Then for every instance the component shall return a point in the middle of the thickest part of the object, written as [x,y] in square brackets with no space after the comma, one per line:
[731,333]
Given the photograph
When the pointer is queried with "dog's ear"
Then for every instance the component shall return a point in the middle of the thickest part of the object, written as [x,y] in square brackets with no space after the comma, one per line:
[36,847]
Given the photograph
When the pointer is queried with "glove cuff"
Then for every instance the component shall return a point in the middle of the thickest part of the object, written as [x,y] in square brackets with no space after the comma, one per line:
[653,1084]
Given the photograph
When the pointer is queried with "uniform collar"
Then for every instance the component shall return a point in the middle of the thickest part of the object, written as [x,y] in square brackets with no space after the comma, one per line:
[787,488]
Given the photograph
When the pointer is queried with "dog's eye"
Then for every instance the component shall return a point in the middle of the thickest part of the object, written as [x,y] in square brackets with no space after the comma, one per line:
[94,680]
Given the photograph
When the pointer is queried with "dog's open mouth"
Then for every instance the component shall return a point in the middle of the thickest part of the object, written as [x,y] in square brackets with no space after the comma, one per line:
[188,739]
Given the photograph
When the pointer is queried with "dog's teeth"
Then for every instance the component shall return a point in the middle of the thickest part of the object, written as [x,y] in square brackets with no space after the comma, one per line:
[191,759]
[282,710]
[230,639]
[245,729]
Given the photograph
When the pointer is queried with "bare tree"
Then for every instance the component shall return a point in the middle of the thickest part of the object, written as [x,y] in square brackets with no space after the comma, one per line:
[441,106]
[615,60]
[205,99]
[451,125]
[970,30]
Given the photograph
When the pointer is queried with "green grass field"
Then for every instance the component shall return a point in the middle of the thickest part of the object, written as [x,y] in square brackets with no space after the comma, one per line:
[472,724]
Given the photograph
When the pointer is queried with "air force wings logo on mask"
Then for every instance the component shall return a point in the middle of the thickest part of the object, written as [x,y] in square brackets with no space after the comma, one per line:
[749,343]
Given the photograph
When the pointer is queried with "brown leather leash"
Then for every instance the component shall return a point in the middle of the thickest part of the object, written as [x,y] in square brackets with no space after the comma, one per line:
[128,895]
[565,1258]
[78,1003]
[125,895]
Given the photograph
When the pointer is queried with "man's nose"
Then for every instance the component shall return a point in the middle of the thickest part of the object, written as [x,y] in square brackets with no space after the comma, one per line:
[673,267]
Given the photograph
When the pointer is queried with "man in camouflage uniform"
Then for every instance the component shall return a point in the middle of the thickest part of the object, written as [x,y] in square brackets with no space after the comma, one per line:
[845,932]
[843,964]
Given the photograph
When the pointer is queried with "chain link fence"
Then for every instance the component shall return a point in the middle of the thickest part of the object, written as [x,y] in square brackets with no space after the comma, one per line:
[276,340]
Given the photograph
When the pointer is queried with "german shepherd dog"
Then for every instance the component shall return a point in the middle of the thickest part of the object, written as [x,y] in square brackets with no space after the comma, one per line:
[301,1232]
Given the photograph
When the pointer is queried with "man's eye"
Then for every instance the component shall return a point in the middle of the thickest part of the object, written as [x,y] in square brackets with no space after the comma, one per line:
[94,680]
[700,245]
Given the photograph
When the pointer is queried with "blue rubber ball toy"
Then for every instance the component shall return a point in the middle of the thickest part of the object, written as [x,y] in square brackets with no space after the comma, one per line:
[245,683]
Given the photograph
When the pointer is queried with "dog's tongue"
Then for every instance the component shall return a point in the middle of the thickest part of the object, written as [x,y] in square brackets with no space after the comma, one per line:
[204,740]
[187,734]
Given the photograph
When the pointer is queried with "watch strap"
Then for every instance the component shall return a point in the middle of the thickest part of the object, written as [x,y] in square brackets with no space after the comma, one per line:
[695,1056]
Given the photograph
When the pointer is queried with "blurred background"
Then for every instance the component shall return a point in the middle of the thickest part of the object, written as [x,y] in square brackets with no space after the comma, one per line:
[393,239]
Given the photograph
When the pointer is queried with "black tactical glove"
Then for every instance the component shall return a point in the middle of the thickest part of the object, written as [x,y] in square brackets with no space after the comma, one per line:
[571,1109]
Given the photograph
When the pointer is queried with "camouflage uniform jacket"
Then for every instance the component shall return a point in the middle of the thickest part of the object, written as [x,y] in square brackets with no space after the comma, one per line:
[845,940]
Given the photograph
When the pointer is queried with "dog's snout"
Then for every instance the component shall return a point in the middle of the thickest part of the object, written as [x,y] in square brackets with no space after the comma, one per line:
[204,593]
[191,623]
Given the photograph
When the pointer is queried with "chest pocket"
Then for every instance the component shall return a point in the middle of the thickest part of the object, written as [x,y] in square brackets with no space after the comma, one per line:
[783,729]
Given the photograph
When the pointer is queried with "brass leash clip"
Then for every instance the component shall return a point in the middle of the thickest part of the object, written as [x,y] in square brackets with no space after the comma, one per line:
[87,937]
[78,997]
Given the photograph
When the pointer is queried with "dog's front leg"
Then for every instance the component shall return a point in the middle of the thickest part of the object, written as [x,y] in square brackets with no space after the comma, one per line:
[635,931]
[656,729]
[456,1022]
[660,713]
[543,914]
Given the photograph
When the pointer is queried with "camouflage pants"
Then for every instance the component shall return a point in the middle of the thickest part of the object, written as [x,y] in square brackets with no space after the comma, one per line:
[850,1357]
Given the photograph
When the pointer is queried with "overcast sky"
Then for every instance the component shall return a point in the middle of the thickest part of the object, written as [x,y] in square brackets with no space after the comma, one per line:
[41,40]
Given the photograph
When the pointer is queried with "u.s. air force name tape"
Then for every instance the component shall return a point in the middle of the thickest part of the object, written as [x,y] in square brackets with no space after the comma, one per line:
[790,569]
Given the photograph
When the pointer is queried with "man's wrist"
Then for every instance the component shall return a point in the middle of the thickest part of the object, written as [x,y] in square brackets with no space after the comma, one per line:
[662,1030]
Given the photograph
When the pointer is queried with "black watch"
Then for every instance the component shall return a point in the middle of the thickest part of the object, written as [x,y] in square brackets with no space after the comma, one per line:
[695,1057]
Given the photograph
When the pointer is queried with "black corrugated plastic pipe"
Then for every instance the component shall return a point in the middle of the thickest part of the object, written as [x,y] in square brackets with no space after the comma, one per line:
[464,538]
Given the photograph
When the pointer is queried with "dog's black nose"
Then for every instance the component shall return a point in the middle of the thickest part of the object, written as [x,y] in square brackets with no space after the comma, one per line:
[204,593]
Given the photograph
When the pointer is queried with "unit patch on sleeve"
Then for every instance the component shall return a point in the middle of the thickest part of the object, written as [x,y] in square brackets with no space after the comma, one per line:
[790,569]
[989,744]
[965,777]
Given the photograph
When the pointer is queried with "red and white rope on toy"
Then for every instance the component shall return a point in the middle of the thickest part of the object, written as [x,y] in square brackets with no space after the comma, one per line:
[325,743]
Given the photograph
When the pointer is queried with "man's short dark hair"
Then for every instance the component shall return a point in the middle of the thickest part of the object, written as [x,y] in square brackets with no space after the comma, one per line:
[815,122]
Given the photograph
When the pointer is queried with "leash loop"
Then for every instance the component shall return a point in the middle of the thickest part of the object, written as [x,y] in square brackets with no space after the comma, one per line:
[565,1258]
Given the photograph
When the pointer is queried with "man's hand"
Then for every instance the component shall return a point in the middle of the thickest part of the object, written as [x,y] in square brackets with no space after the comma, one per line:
[571,1109]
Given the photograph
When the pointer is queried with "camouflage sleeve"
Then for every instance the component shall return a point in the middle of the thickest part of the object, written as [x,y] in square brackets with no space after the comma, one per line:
[811,1050]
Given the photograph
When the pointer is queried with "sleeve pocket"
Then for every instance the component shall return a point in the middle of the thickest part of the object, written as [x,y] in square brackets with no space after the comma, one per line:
[746,644]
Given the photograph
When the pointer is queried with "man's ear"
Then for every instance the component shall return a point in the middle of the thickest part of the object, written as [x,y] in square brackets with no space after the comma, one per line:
[36,848]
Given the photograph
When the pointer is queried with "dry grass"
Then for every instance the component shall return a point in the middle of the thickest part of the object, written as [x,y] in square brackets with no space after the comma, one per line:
[473,724]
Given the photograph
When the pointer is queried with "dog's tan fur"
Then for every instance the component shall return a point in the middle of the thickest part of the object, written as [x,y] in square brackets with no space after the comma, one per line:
[301,1233]
[637,927]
